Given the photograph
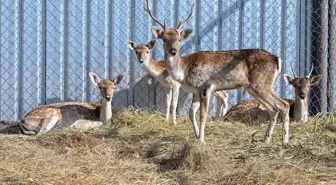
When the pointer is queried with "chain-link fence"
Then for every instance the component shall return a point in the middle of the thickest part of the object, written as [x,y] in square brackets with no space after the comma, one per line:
[48,47]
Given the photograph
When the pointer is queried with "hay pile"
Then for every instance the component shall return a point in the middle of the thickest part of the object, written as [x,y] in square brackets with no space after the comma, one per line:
[141,148]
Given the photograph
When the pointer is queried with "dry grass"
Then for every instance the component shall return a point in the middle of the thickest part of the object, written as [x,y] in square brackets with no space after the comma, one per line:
[141,148]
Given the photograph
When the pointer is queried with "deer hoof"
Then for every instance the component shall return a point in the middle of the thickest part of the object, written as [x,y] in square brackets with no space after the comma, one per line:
[202,142]
[286,145]
[267,140]
[204,93]
[197,135]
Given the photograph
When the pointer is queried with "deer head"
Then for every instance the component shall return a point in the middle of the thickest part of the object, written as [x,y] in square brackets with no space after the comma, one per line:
[106,86]
[171,37]
[302,84]
[142,50]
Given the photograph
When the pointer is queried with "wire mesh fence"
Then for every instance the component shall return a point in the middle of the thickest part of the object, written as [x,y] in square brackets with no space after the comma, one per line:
[48,47]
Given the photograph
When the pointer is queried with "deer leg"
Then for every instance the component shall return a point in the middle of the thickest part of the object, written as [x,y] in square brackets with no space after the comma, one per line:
[219,107]
[47,124]
[168,91]
[84,124]
[192,113]
[225,104]
[283,107]
[205,100]
[176,91]
[275,104]
[268,101]
[271,125]
[221,97]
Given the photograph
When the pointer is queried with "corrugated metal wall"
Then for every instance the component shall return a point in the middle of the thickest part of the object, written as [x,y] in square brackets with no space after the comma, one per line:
[49,46]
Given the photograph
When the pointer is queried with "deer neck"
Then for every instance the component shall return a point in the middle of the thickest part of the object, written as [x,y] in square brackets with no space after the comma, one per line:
[105,111]
[300,109]
[150,67]
[174,66]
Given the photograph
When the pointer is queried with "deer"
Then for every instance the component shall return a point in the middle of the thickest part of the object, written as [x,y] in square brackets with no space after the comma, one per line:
[157,69]
[75,115]
[251,111]
[203,72]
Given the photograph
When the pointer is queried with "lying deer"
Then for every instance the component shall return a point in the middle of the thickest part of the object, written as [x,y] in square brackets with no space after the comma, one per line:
[78,115]
[251,111]
[204,72]
[158,70]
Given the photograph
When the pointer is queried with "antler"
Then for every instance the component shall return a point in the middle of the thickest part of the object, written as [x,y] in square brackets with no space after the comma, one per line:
[154,18]
[312,68]
[179,26]
[293,71]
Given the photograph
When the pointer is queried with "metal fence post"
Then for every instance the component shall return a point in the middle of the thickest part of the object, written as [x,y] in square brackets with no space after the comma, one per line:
[240,38]
[109,34]
[331,58]
[318,50]
[19,58]
[154,82]
[283,47]
[198,23]
[262,23]
[42,60]
[65,49]
[87,53]
[0,61]
[130,54]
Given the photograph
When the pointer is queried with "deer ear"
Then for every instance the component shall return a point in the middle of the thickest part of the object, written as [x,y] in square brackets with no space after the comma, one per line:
[118,79]
[157,32]
[94,78]
[131,45]
[151,44]
[315,79]
[288,78]
[186,33]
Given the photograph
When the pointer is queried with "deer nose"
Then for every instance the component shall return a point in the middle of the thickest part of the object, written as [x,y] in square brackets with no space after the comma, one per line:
[108,98]
[302,95]
[173,51]
[141,60]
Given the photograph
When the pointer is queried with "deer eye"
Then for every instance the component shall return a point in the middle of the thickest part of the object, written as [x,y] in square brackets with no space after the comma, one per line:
[100,87]
[136,52]
[147,51]
[164,40]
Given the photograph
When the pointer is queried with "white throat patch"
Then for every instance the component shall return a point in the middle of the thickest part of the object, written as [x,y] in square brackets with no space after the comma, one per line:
[174,69]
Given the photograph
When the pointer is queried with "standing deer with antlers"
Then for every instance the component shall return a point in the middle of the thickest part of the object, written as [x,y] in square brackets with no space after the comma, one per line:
[206,71]
[158,70]
[251,111]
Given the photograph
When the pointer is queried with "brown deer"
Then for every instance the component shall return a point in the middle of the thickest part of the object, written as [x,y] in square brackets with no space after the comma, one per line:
[78,115]
[251,111]
[206,71]
[158,70]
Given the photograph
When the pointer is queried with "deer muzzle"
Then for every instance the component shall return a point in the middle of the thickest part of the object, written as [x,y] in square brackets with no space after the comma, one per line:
[173,51]
[303,95]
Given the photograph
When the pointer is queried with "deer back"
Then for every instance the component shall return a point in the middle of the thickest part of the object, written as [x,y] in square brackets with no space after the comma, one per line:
[230,69]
